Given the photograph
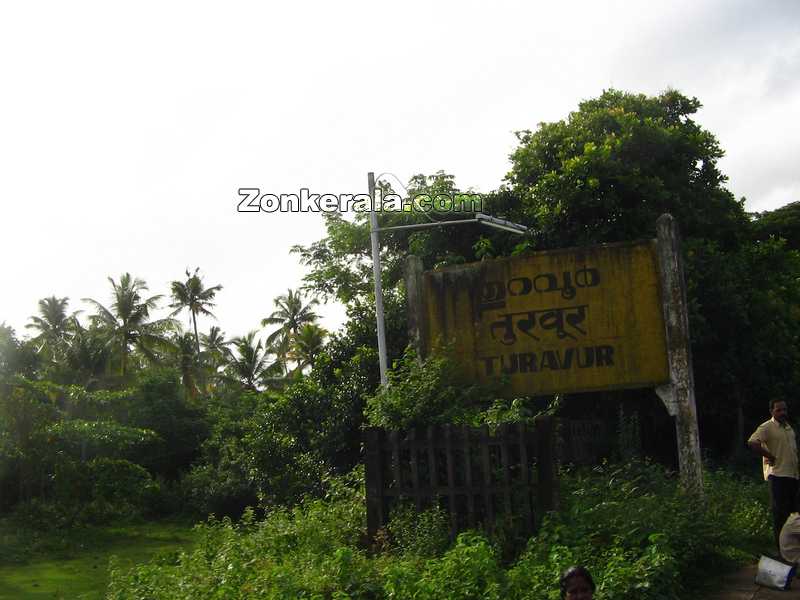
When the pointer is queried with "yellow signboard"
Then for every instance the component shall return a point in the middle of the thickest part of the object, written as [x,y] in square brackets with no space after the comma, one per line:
[582,319]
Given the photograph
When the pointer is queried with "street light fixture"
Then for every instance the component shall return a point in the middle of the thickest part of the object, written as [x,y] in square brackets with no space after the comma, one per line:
[501,224]
[374,232]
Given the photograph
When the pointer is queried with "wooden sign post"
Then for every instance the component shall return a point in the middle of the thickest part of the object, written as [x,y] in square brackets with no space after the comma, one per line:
[678,394]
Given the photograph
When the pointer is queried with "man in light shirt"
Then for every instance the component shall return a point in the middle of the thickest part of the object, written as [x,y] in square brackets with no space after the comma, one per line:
[774,440]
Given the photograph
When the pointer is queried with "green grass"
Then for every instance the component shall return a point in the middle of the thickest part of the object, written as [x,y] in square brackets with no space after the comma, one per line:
[76,567]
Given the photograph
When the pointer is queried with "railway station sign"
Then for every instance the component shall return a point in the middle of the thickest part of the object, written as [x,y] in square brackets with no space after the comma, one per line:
[572,320]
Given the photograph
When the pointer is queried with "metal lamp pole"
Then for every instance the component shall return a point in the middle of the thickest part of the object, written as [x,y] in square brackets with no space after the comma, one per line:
[376,271]
[374,233]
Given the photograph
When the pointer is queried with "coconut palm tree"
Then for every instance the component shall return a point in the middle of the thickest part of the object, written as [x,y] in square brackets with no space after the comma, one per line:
[250,363]
[180,352]
[215,348]
[126,323]
[290,315]
[192,296]
[87,354]
[307,345]
[53,324]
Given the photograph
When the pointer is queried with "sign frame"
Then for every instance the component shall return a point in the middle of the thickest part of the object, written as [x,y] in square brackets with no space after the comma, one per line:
[676,391]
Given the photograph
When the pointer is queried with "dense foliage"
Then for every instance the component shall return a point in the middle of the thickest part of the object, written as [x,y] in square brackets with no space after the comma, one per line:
[639,535]
[76,455]
[433,390]
[615,165]
[421,393]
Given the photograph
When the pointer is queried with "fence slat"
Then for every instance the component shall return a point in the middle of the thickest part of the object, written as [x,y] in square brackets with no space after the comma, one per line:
[498,490]
[525,473]
[465,445]
[394,440]
[432,461]
[412,448]
[506,470]
[451,475]
[545,457]
[487,477]
[374,481]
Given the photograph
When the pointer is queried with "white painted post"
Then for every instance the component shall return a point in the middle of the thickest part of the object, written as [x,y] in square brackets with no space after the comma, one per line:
[678,395]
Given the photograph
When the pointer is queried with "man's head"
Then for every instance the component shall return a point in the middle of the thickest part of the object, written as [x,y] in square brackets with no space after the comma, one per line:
[778,410]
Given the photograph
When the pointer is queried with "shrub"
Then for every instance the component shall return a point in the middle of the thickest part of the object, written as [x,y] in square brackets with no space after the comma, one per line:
[631,525]
[310,551]
[118,480]
[254,454]
[424,534]
[467,571]
[421,393]
[120,489]
[638,533]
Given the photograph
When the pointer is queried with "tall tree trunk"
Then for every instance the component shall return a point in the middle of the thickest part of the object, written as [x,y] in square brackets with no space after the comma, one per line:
[124,350]
[201,376]
[196,337]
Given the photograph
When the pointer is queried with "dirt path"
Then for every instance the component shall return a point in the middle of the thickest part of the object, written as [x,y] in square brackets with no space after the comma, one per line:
[741,586]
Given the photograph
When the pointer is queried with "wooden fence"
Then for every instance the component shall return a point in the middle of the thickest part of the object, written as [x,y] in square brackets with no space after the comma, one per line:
[473,475]
[583,441]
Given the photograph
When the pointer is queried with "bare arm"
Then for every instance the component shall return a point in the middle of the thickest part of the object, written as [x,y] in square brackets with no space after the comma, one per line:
[762,451]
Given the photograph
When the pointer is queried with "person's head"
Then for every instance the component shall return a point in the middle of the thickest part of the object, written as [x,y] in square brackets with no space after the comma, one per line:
[778,410]
[576,584]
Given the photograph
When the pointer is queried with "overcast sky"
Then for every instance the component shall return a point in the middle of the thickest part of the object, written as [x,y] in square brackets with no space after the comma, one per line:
[126,129]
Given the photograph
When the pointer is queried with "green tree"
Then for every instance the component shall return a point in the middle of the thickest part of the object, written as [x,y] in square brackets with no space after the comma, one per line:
[215,350]
[53,324]
[250,363]
[214,342]
[87,356]
[182,354]
[193,296]
[253,455]
[324,410]
[606,173]
[26,409]
[745,326]
[290,315]
[783,222]
[16,357]
[340,266]
[127,323]
[615,165]
[307,345]
[159,403]
[8,349]
[341,263]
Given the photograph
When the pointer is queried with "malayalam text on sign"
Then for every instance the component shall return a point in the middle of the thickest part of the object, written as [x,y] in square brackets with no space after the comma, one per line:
[581,319]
